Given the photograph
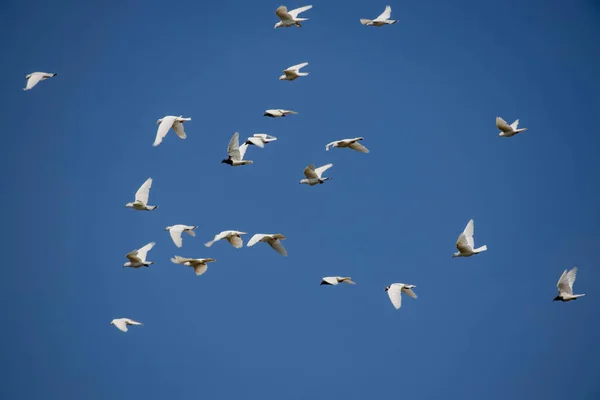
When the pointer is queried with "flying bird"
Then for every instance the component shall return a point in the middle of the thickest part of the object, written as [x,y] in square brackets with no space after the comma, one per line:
[137,258]
[395,291]
[293,72]
[260,139]
[278,113]
[290,18]
[233,237]
[466,244]
[236,152]
[334,280]
[176,230]
[565,286]
[351,143]
[314,175]
[35,77]
[141,198]
[168,122]
[508,130]
[199,264]
[383,19]
[121,323]
[273,240]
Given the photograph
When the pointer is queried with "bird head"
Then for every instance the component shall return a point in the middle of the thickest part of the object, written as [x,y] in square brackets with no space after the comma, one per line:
[453,255]
[386,288]
[265,115]
[557,298]
[277,25]
[167,228]
[130,205]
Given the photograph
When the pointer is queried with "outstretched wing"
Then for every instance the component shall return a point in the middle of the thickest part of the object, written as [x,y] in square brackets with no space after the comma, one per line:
[394,293]
[515,125]
[319,171]
[385,15]
[236,241]
[310,173]
[233,148]
[144,191]
[242,151]
[176,236]
[141,253]
[257,141]
[33,80]
[469,232]
[328,145]
[294,13]
[178,128]
[162,130]
[502,125]
[409,292]
[296,67]
[278,246]
[563,284]
[462,244]
[359,147]
[255,239]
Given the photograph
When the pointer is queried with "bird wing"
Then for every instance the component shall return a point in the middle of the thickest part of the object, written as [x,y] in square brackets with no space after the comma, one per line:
[359,147]
[515,125]
[462,244]
[33,80]
[278,246]
[255,239]
[162,130]
[332,280]
[310,173]
[200,269]
[141,253]
[236,241]
[257,141]
[502,125]
[385,15]
[328,145]
[283,14]
[296,67]
[563,283]
[129,321]
[243,149]
[176,236]
[394,292]
[233,148]
[144,191]
[288,112]
[133,257]
[469,232]
[121,325]
[294,13]
[571,276]
[180,260]
[409,292]
[319,171]
[178,128]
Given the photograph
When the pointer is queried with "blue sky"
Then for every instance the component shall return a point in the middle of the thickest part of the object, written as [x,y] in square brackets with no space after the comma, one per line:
[424,94]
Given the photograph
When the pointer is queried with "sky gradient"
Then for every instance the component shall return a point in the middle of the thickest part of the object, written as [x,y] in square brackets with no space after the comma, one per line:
[423,93]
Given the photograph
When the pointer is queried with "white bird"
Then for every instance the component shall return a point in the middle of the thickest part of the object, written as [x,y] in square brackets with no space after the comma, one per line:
[121,323]
[137,258]
[236,152]
[176,230]
[233,237]
[290,18]
[278,113]
[565,286]
[199,264]
[334,280]
[274,240]
[508,130]
[293,72]
[351,143]
[314,175]
[383,19]
[395,291]
[168,122]
[466,244]
[259,139]
[141,198]
[35,77]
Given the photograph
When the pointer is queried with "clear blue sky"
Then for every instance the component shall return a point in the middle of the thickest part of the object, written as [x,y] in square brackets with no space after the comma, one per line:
[424,94]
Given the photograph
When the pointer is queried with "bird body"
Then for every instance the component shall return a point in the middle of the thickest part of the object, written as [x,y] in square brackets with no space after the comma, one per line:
[395,291]
[290,18]
[293,72]
[199,264]
[233,237]
[466,244]
[168,122]
[334,280]
[314,175]
[276,113]
[381,20]
[176,230]
[137,258]
[122,323]
[236,152]
[349,143]
[273,240]
[36,77]
[565,286]
[507,130]
[141,198]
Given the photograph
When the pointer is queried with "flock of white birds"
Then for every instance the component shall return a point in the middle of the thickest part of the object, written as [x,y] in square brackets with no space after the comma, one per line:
[313,176]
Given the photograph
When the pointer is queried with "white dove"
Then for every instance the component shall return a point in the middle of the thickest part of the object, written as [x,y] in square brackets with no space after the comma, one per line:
[313,175]
[233,237]
[274,240]
[259,139]
[466,244]
[137,258]
[168,122]
[383,19]
[508,130]
[290,18]
[565,286]
[141,198]
[199,264]
[236,152]
[351,143]
[121,323]
[334,280]
[293,72]
[35,77]
[278,113]
[176,230]
[395,291]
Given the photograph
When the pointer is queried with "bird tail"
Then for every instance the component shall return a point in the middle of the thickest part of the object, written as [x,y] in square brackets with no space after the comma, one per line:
[176,259]
[208,244]
[480,249]
[191,233]
[578,295]
[301,19]
[365,21]
[153,208]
